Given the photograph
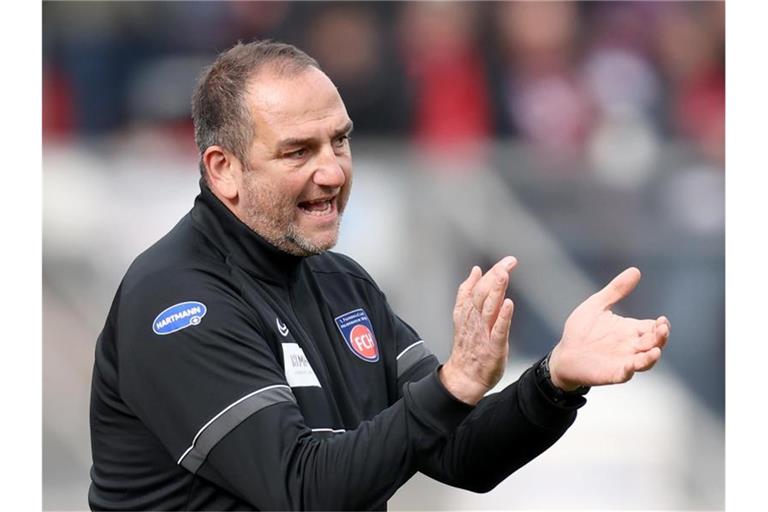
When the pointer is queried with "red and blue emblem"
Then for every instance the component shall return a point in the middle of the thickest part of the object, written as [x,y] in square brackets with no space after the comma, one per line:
[357,331]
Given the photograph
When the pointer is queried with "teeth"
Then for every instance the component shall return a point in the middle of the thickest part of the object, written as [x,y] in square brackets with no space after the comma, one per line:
[318,207]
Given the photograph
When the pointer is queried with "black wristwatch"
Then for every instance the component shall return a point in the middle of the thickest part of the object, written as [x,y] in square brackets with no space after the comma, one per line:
[554,393]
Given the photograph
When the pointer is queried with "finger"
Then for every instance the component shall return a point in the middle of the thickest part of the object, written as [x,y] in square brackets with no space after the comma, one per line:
[464,292]
[645,326]
[645,342]
[656,337]
[621,286]
[644,361]
[634,326]
[641,326]
[502,268]
[485,284]
[500,331]
[493,301]
[664,320]
[662,335]
[465,288]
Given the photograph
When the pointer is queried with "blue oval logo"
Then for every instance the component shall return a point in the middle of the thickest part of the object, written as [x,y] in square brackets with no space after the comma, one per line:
[178,317]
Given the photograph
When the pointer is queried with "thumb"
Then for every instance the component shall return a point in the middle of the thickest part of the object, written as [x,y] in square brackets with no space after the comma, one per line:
[621,286]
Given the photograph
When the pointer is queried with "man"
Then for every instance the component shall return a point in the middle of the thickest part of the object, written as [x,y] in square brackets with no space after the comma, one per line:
[244,366]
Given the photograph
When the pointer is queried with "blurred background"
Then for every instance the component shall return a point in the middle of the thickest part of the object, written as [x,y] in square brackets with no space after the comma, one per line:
[580,137]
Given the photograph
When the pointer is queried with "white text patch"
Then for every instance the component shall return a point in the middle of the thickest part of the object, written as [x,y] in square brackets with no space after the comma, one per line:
[298,371]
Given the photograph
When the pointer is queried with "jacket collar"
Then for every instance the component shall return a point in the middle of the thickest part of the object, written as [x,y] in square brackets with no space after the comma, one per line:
[242,245]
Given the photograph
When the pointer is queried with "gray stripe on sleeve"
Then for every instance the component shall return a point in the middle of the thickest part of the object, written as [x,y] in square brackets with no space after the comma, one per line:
[229,418]
[410,356]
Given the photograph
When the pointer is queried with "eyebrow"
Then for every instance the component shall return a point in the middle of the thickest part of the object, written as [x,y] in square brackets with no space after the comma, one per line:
[295,141]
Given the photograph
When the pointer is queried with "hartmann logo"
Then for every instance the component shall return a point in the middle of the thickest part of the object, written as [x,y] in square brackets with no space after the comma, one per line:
[179,316]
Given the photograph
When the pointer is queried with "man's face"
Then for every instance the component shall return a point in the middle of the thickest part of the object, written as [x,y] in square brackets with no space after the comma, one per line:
[297,177]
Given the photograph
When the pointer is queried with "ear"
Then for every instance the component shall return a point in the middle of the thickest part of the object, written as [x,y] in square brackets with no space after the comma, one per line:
[224,172]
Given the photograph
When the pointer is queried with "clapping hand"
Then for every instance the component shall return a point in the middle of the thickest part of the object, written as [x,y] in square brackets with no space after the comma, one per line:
[599,347]
[481,321]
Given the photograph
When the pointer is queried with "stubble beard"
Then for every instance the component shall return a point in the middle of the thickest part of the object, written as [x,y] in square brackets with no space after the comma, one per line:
[271,216]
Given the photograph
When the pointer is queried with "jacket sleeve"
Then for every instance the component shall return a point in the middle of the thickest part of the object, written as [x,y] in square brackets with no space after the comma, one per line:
[503,432]
[273,461]
[216,397]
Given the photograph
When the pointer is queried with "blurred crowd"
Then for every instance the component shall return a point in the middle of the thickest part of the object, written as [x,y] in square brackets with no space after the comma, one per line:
[609,80]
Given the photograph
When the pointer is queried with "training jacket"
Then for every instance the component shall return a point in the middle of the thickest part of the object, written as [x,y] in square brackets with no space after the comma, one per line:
[232,376]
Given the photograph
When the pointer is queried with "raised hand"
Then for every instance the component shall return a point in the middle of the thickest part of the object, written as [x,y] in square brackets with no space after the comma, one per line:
[600,347]
[481,320]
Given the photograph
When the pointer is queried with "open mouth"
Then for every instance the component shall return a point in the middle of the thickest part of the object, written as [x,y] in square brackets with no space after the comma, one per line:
[319,207]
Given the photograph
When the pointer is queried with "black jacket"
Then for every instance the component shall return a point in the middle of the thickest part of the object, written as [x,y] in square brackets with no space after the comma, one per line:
[230,376]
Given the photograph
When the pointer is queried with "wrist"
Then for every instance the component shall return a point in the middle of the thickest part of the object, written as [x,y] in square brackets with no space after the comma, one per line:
[459,385]
[550,387]
[551,363]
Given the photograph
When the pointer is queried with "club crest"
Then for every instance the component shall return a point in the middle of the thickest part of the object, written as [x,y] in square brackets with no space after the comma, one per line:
[357,331]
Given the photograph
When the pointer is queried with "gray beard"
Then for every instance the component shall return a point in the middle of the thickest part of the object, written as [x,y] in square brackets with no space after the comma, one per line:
[300,246]
[282,235]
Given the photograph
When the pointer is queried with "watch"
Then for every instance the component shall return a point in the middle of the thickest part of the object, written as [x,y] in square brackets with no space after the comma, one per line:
[554,393]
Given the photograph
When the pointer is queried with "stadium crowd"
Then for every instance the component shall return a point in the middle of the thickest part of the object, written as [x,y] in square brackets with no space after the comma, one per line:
[563,76]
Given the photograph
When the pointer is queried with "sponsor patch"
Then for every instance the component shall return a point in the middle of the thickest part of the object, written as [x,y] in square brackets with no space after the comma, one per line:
[178,317]
[298,371]
[357,331]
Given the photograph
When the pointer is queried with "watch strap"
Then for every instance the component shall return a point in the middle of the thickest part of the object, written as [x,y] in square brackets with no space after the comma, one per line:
[554,393]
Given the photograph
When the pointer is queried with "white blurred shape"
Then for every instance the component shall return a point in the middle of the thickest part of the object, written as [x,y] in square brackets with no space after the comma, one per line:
[74,198]
[623,149]
[92,202]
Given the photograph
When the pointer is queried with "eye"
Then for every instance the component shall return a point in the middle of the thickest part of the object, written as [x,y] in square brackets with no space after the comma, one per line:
[297,154]
[341,140]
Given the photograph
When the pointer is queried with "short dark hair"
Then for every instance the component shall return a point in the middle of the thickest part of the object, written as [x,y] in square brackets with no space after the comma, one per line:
[219,111]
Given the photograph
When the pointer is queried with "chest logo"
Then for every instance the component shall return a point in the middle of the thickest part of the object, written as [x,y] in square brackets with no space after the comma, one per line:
[357,331]
[281,327]
[178,317]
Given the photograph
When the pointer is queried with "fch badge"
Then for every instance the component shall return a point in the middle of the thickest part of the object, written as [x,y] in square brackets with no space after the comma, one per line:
[357,331]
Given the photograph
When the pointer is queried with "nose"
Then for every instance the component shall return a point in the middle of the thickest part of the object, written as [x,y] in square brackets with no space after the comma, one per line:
[329,171]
